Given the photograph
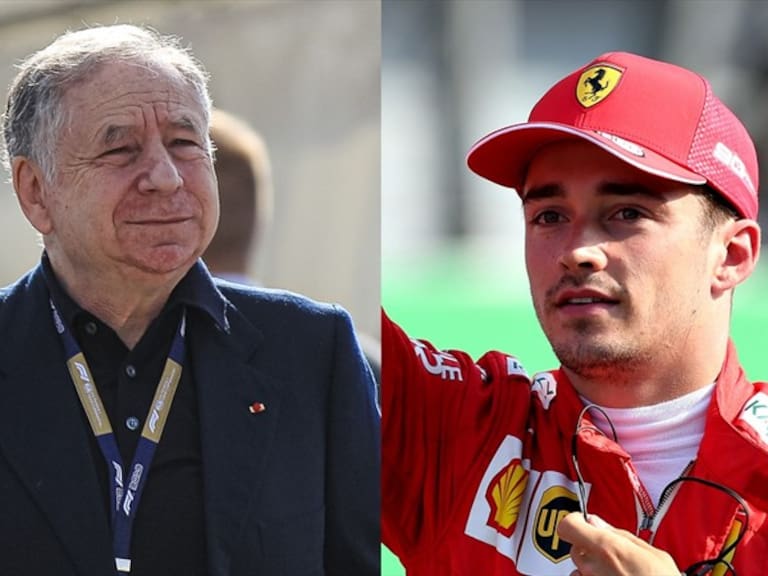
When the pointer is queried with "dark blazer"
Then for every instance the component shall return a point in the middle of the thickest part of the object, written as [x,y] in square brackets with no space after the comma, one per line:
[293,491]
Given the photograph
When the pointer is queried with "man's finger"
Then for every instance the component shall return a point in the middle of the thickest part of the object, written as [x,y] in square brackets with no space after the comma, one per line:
[598,522]
[579,533]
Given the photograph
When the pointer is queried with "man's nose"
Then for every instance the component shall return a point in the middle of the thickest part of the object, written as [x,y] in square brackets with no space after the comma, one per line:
[161,174]
[585,250]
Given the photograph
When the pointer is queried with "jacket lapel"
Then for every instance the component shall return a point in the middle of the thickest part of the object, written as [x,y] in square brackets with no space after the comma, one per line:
[44,438]
[235,442]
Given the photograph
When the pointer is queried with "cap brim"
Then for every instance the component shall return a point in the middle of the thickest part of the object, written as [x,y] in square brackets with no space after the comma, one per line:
[503,156]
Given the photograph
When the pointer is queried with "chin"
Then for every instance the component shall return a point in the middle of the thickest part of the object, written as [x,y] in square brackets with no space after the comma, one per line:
[594,357]
[165,260]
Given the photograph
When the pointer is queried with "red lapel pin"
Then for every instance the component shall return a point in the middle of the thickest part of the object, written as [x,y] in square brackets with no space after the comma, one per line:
[256,408]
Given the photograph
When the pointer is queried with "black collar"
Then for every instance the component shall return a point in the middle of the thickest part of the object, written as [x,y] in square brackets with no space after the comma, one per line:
[195,290]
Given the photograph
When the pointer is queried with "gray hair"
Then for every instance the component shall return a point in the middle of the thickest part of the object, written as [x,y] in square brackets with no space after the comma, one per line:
[34,116]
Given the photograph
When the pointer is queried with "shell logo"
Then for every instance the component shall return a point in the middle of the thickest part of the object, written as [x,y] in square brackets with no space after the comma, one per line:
[505,495]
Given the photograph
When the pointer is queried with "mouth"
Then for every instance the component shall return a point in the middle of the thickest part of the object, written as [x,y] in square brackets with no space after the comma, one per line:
[160,221]
[584,299]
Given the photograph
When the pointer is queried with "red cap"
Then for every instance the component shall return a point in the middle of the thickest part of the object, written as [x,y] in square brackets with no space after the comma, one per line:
[656,116]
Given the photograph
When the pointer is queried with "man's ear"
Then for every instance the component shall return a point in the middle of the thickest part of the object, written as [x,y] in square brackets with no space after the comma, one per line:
[741,250]
[29,184]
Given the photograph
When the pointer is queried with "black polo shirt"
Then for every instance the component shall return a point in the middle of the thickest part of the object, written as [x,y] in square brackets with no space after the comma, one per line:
[169,529]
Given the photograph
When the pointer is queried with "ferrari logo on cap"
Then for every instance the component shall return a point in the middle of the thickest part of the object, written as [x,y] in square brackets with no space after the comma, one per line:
[596,82]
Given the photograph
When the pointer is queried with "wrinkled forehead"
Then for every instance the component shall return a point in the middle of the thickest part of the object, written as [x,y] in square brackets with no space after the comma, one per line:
[139,73]
[134,87]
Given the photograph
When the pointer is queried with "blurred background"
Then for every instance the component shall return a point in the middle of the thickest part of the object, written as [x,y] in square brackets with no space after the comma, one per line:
[453,71]
[303,73]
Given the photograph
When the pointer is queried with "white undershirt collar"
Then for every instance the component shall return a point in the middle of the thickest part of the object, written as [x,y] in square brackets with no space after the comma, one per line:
[662,439]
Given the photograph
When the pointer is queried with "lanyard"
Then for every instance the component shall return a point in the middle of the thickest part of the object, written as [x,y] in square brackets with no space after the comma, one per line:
[125,489]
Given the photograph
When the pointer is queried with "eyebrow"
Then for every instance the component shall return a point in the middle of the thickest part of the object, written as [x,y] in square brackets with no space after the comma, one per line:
[549,191]
[186,123]
[115,132]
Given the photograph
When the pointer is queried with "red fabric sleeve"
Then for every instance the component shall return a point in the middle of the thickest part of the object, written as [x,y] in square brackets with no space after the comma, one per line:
[440,421]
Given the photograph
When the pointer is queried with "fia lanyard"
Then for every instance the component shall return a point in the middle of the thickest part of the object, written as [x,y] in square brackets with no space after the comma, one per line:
[125,489]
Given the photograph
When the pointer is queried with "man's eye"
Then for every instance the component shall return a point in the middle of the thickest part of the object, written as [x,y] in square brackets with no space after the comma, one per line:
[628,214]
[118,150]
[547,217]
[184,142]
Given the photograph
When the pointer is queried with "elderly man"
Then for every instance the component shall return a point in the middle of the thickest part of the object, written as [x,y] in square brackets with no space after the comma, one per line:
[646,451]
[155,421]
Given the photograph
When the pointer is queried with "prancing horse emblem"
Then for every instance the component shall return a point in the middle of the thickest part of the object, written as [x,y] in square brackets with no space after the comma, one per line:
[596,83]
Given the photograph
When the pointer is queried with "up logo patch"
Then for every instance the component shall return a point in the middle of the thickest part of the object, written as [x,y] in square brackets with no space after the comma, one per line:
[596,83]
[555,504]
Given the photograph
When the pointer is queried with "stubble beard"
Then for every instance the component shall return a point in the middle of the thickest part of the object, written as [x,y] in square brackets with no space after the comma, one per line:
[596,356]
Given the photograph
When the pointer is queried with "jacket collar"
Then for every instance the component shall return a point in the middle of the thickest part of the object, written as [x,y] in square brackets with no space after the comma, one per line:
[729,428]
[725,428]
[195,290]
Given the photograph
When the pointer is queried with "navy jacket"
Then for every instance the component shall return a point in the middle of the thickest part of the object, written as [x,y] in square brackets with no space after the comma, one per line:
[293,491]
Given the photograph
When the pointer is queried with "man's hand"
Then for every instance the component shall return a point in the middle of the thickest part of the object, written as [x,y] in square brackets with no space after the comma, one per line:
[599,549]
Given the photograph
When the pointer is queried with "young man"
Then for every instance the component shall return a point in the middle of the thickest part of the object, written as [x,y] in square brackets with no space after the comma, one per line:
[156,421]
[639,190]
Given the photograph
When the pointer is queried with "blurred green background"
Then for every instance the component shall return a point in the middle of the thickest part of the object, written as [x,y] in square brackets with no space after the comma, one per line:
[456,299]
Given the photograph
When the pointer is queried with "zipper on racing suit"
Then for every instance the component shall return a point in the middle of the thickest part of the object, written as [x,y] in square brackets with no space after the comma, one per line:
[652,515]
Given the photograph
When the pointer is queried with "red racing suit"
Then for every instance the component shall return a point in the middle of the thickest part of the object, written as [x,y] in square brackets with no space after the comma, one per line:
[477,468]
